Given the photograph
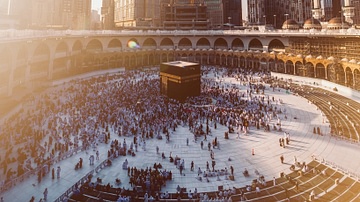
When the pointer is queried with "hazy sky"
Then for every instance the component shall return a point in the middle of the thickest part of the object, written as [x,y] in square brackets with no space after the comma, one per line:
[96,5]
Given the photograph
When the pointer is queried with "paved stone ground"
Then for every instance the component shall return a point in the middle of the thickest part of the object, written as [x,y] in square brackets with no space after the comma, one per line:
[304,144]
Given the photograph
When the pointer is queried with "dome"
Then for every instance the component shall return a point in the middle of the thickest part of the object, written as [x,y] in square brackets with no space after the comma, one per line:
[353,61]
[345,60]
[308,57]
[290,24]
[336,20]
[312,24]
[299,56]
[319,57]
[335,23]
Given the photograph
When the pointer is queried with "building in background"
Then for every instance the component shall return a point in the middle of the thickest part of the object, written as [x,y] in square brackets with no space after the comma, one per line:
[107,14]
[232,12]
[95,20]
[215,13]
[74,14]
[332,8]
[261,12]
[184,14]
[53,14]
[356,4]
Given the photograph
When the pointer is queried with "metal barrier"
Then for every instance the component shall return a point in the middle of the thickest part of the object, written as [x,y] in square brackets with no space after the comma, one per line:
[83,180]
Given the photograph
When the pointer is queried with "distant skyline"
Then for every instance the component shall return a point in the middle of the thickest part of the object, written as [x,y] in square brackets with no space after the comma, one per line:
[96,5]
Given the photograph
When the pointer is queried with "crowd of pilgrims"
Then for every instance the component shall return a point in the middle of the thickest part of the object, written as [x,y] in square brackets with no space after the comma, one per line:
[85,112]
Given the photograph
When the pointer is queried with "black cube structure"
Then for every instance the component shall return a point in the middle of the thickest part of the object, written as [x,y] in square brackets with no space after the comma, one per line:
[179,79]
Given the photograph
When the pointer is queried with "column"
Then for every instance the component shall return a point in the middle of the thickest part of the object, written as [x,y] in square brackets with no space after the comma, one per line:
[51,65]
[294,64]
[11,76]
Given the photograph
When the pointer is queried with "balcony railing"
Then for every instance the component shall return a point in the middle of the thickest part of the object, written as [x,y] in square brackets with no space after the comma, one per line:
[6,35]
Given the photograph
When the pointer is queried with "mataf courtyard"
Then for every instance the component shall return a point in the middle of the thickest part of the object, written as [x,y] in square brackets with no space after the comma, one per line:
[281,123]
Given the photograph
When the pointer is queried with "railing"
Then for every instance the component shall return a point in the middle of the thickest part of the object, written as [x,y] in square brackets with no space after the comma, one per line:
[14,181]
[345,171]
[23,34]
[82,180]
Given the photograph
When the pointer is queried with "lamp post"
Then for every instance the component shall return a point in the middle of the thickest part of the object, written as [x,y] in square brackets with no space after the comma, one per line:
[286,18]
[229,21]
[264,16]
[275,21]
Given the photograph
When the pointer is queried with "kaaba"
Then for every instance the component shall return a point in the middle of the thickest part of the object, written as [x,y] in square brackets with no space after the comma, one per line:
[179,79]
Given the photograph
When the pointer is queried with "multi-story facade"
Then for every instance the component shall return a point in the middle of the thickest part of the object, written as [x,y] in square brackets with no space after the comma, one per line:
[39,14]
[139,13]
[184,15]
[75,14]
[215,13]
[332,8]
[256,11]
[107,14]
[261,12]
[356,4]
[232,11]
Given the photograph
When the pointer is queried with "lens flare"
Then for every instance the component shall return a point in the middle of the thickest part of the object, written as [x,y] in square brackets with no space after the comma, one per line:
[133,44]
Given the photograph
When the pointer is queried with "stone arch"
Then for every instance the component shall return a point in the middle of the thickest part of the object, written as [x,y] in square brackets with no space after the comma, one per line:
[184,57]
[203,43]
[229,61]
[191,57]
[5,66]
[336,73]
[223,60]
[255,44]
[21,65]
[320,71]
[61,48]
[77,46]
[217,59]
[357,79]
[256,63]
[309,67]
[289,67]
[157,59]
[300,69]
[237,44]
[145,59]
[276,45]
[281,66]
[185,43]
[263,64]
[61,57]
[349,77]
[198,58]
[149,43]
[242,61]
[204,59]
[112,62]
[76,59]
[41,57]
[94,45]
[220,43]
[167,43]
[272,65]
[114,45]
[164,57]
